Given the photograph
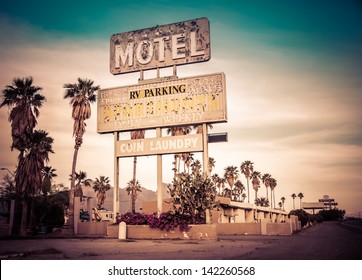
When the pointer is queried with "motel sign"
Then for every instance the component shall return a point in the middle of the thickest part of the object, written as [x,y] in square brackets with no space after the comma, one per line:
[181,101]
[160,46]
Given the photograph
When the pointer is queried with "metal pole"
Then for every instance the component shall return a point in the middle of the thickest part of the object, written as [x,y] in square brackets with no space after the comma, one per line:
[159,177]
[116,179]
[206,150]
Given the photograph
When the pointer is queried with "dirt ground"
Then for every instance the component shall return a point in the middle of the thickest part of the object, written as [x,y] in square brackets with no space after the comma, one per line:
[326,241]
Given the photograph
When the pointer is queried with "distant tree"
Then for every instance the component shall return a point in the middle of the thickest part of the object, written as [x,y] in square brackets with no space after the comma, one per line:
[132,189]
[266,181]
[300,195]
[231,174]
[283,201]
[272,184]
[255,180]
[293,196]
[247,168]
[101,186]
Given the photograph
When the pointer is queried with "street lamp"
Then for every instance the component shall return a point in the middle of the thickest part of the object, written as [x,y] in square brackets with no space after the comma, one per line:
[4,168]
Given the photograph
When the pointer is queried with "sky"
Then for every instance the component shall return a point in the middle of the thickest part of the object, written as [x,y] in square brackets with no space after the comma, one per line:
[293,82]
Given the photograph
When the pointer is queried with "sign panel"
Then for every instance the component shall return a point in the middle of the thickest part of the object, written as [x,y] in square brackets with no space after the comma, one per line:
[184,101]
[160,46]
[158,146]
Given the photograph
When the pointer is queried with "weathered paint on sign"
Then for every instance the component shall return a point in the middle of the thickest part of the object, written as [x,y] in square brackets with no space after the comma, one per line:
[184,101]
[158,146]
[160,46]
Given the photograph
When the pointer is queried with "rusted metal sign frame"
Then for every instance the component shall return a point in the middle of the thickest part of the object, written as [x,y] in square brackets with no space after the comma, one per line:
[176,102]
[160,46]
[159,146]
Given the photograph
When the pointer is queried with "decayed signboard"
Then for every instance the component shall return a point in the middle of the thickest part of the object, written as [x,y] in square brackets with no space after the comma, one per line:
[160,46]
[158,146]
[184,101]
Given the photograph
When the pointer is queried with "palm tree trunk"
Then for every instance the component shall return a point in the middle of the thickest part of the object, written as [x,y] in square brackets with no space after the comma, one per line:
[247,183]
[274,198]
[134,185]
[71,192]
[293,203]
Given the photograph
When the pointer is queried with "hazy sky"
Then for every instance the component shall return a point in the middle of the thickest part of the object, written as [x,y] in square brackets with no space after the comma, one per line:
[293,73]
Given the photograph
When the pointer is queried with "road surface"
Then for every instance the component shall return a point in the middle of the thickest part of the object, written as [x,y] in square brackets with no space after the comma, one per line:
[326,241]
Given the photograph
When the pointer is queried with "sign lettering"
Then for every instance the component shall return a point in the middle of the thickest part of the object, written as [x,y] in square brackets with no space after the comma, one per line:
[163,145]
[160,46]
[174,102]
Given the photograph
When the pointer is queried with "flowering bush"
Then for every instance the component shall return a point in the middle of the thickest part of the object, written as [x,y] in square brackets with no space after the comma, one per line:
[167,220]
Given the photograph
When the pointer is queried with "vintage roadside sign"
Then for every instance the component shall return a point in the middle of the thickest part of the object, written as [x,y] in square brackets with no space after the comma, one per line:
[158,146]
[181,101]
[160,46]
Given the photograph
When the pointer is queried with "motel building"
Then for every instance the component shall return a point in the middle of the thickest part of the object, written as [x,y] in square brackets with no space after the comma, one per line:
[232,218]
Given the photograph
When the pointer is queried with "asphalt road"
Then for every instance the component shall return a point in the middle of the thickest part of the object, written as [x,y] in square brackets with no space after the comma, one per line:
[326,241]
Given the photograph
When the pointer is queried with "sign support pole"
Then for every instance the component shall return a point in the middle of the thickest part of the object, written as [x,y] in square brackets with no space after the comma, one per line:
[116,178]
[205,154]
[159,178]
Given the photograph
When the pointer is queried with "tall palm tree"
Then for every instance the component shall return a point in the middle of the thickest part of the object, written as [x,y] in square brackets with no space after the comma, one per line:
[136,134]
[80,181]
[300,195]
[266,181]
[231,175]
[81,95]
[216,180]
[239,187]
[48,174]
[23,101]
[100,186]
[28,176]
[211,164]
[293,196]
[283,201]
[247,168]
[176,131]
[273,184]
[255,180]
[133,192]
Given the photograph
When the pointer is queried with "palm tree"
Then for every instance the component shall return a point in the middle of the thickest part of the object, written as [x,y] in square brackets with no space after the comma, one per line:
[48,175]
[100,186]
[239,189]
[293,196]
[131,190]
[28,176]
[80,180]
[216,180]
[176,131]
[23,101]
[137,134]
[273,184]
[255,180]
[199,128]
[247,168]
[283,201]
[231,175]
[300,195]
[266,181]
[211,164]
[81,95]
